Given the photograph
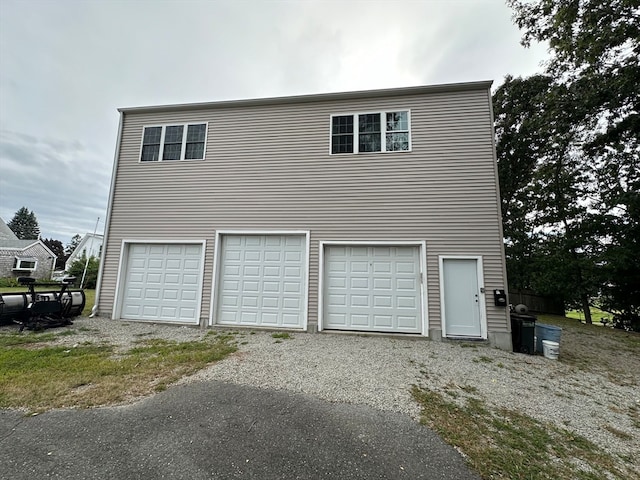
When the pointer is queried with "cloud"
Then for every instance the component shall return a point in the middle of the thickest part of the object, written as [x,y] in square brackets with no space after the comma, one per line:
[66,66]
[56,179]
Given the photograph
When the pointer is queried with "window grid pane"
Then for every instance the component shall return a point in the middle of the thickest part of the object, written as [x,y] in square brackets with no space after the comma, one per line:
[397,142]
[342,134]
[172,151]
[195,142]
[194,151]
[172,142]
[370,142]
[397,121]
[342,125]
[369,123]
[152,135]
[342,144]
[150,153]
[196,133]
[370,139]
[173,134]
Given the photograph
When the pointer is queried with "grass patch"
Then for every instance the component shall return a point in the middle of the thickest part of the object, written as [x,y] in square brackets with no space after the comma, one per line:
[505,444]
[603,350]
[597,315]
[39,379]
[282,335]
[18,338]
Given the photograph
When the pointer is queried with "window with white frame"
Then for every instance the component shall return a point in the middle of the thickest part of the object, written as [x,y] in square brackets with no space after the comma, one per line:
[25,263]
[371,132]
[173,142]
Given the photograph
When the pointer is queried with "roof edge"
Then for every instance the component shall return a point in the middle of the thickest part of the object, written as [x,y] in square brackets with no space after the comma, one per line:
[319,97]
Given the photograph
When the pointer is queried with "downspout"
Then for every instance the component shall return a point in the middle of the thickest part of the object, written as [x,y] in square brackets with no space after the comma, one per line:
[94,310]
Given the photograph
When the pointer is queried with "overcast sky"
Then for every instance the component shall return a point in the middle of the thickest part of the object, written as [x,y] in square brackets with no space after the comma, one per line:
[66,66]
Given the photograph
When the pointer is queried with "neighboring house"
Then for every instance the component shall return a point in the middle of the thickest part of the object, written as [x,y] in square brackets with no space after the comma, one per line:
[374,211]
[24,258]
[90,245]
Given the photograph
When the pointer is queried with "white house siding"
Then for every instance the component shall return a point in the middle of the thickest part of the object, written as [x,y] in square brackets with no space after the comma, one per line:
[267,166]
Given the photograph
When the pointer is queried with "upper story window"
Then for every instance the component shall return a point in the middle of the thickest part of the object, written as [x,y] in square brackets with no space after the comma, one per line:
[174,142]
[371,132]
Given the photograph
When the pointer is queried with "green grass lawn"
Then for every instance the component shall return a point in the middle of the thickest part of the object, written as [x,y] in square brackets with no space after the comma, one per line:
[596,315]
[90,295]
[37,376]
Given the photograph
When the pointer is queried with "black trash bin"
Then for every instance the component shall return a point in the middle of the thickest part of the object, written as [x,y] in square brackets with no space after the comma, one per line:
[523,331]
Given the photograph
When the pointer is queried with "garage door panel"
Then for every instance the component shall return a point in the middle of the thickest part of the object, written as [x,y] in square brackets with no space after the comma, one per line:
[291,303]
[266,274]
[190,295]
[232,255]
[271,287]
[383,321]
[360,320]
[170,294]
[360,283]
[373,288]
[162,282]
[269,302]
[247,302]
[269,319]
[382,301]
[290,320]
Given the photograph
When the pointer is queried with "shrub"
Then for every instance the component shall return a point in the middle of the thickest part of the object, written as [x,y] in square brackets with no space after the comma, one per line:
[77,269]
[9,282]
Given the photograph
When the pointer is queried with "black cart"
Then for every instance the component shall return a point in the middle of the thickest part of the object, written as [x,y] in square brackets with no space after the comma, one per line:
[523,331]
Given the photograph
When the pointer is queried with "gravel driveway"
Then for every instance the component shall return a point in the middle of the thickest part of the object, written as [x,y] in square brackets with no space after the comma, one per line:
[379,371]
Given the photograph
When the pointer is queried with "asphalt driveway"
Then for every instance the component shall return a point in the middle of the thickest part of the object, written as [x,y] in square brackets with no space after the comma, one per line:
[218,430]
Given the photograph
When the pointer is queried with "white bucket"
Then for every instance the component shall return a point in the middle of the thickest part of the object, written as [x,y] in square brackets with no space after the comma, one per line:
[550,349]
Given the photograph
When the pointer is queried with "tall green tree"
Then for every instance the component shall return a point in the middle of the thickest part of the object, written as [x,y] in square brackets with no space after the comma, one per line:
[25,225]
[546,225]
[520,124]
[595,58]
[58,249]
[71,246]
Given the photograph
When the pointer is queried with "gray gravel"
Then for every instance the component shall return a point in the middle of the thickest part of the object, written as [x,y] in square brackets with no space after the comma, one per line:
[379,371]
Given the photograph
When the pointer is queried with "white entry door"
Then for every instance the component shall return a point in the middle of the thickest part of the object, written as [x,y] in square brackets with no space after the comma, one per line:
[461,297]
[262,280]
[372,288]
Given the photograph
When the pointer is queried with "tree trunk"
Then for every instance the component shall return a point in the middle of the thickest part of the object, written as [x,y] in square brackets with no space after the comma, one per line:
[586,309]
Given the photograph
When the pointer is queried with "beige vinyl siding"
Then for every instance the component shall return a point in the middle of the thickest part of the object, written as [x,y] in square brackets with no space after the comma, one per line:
[268,167]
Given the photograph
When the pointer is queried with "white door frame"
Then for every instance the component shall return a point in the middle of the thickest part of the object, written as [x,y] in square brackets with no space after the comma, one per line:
[399,243]
[481,290]
[116,312]
[217,261]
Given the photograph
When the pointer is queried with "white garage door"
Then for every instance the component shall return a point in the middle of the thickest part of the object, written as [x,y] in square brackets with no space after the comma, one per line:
[163,282]
[372,288]
[262,281]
